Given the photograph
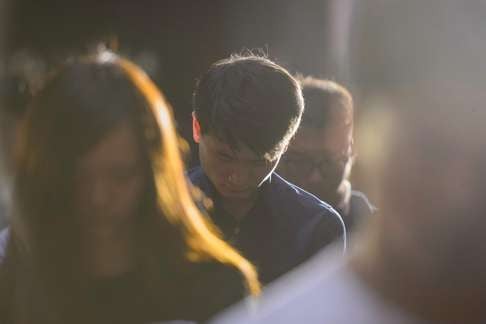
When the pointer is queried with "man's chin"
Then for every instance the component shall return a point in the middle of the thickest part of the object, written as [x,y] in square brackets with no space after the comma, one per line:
[228,193]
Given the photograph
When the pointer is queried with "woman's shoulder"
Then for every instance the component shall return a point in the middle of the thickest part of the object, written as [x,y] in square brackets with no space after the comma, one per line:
[213,287]
[214,274]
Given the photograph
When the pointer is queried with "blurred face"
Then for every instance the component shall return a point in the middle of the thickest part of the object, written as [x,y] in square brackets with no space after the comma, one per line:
[319,160]
[236,174]
[110,180]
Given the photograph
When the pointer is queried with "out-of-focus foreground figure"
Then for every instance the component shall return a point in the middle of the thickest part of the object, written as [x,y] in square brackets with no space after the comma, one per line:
[421,260]
[104,228]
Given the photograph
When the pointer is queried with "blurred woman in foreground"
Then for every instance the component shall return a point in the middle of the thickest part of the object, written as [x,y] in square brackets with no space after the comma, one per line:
[105,229]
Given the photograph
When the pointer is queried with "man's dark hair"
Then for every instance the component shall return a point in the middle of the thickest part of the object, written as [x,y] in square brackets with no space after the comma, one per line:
[323,98]
[249,100]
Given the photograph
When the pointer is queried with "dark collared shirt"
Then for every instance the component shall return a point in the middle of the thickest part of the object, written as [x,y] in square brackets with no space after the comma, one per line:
[360,210]
[285,227]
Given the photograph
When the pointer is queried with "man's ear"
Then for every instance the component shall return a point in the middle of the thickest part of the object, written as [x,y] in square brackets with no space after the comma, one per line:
[196,128]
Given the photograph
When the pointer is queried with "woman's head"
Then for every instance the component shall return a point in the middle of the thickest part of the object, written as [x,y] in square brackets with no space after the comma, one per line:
[85,143]
[99,151]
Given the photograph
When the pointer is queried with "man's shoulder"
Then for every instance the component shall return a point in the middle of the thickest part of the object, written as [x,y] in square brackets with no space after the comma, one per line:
[297,296]
[315,293]
[297,201]
[314,221]
[201,281]
[359,197]
[361,205]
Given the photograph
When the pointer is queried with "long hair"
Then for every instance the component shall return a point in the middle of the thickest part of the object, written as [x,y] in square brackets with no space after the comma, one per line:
[79,104]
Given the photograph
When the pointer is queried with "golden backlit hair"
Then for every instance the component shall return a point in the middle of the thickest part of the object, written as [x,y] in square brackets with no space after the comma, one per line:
[173,191]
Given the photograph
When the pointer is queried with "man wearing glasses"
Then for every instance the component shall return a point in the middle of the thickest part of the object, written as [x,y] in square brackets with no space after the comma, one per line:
[320,157]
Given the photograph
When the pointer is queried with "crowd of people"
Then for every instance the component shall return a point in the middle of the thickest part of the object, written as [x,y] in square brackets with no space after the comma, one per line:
[102,223]
[106,226]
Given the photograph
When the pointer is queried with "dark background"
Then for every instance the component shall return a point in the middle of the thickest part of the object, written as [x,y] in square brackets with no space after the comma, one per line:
[374,47]
[176,41]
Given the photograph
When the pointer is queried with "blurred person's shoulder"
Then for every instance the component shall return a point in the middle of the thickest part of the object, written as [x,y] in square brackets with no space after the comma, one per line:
[288,299]
[291,198]
[299,197]
[361,209]
[212,287]
[361,205]
[323,290]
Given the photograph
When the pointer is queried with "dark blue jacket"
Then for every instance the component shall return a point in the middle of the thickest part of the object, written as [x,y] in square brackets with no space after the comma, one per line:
[286,226]
[360,210]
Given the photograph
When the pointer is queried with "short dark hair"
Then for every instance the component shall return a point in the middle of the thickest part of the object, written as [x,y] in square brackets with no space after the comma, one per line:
[323,98]
[249,100]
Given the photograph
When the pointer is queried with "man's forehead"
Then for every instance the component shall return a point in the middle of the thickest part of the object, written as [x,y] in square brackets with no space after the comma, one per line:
[239,151]
[310,139]
[299,145]
[340,117]
[337,114]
